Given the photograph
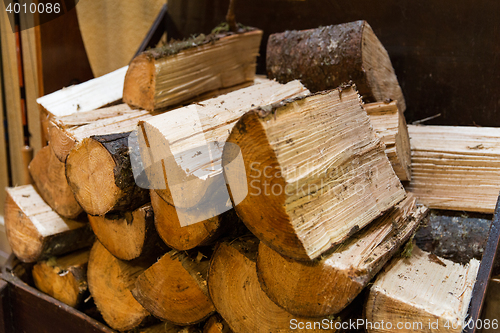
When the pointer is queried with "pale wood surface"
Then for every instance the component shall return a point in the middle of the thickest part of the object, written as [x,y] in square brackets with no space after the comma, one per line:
[85,96]
[423,288]
[342,273]
[389,123]
[456,168]
[329,172]
[4,175]
[172,136]
[35,231]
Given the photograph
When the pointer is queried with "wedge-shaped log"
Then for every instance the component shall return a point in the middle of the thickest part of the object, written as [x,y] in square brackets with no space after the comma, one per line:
[110,283]
[86,96]
[49,176]
[455,167]
[64,278]
[179,71]
[425,292]
[390,125]
[66,131]
[235,291]
[35,232]
[315,173]
[202,233]
[175,288]
[343,272]
[172,144]
[326,57]
[127,235]
[99,172]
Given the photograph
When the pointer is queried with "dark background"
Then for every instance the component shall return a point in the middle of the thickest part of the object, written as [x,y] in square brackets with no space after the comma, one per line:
[446,53]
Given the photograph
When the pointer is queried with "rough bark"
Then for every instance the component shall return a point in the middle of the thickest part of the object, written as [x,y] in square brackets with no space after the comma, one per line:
[99,172]
[327,57]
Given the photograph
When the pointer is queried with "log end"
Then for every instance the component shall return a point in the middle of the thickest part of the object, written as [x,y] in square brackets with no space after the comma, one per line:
[60,141]
[91,176]
[139,85]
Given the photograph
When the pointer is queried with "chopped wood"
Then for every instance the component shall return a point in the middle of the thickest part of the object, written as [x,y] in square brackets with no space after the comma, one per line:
[201,233]
[64,278]
[180,134]
[455,167]
[49,176]
[176,73]
[421,291]
[175,288]
[316,173]
[36,232]
[99,172]
[66,131]
[236,293]
[389,123]
[327,57]
[110,283]
[216,324]
[127,235]
[86,96]
[343,272]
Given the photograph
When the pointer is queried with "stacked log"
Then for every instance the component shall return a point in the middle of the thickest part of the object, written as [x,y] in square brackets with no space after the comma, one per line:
[264,209]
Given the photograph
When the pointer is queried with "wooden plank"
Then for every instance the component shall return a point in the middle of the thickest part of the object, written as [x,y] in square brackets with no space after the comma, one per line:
[4,172]
[31,72]
[12,96]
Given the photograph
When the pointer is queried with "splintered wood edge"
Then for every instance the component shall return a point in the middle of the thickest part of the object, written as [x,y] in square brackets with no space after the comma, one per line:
[90,173]
[140,82]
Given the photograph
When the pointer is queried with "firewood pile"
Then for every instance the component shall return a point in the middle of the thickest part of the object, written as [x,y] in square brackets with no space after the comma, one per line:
[183,193]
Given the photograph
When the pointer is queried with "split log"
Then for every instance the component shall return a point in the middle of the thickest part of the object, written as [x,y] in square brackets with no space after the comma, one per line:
[66,131]
[35,232]
[110,283]
[99,172]
[127,235]
[421,291]
[49,176]
[63,278]
[216,324]
[235,291]
[326,57]
[389,123]
[202,233]
[341,273]
[175,288]
[455,168]
[315,170]
[86,96]
[179,71]
[190,155]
